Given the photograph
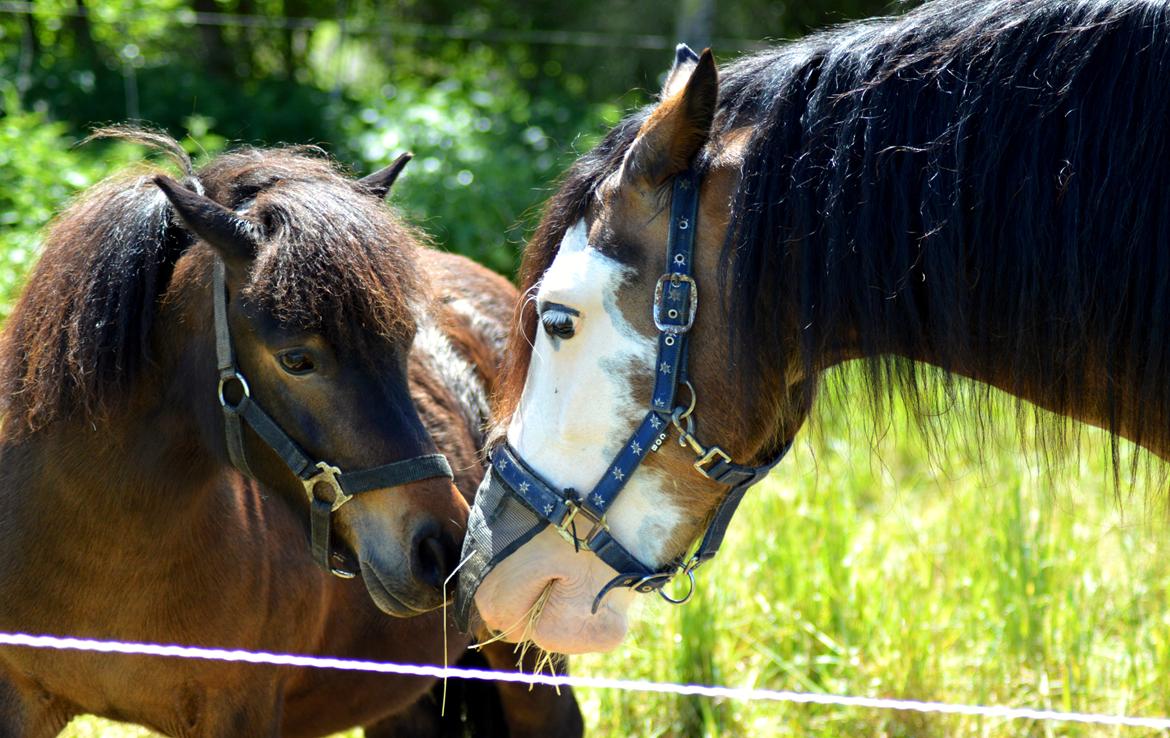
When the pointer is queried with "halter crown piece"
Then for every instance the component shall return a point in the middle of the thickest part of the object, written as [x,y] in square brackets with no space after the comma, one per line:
[326,486]
[676,301]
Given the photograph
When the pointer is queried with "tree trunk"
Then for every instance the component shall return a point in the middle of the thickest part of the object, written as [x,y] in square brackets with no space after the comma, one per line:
[695,23]
[82,32]
[216,51]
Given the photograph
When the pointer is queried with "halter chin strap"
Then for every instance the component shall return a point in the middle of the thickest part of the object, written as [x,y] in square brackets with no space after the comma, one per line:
[582,518]
[326,486]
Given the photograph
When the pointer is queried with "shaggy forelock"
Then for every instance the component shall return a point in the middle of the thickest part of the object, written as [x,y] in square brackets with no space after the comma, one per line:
[332,260]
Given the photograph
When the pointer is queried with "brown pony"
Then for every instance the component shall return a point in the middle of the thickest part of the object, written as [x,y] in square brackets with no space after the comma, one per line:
[977,186]
[123,517]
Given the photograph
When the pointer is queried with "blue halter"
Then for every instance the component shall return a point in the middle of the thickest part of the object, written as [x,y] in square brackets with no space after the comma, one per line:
[581,518]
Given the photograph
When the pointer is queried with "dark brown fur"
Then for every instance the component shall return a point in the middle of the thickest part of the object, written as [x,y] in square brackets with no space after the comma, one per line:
[122,517]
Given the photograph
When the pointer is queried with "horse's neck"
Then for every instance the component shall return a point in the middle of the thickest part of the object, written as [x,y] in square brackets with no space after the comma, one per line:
[135,475]
[1070,380]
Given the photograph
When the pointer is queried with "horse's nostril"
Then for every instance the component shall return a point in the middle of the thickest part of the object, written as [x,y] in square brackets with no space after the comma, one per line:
[433,559]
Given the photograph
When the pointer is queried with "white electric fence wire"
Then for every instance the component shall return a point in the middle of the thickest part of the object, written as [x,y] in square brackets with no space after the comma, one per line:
[438,672]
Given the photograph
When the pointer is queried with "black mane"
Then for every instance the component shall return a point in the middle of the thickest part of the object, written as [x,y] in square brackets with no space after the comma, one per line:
[984,184]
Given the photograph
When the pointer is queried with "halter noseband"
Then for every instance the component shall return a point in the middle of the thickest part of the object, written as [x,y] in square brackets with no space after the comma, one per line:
[326,486]
[676,302]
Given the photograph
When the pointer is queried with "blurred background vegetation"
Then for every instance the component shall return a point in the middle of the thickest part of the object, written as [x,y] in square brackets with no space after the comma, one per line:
[495,98]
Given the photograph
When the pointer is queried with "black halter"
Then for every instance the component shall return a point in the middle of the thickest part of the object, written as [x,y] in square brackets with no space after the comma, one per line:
[319,477]
[676,301]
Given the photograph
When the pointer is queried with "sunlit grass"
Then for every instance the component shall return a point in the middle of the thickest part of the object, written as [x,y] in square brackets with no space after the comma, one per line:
[913,575]
[875,568]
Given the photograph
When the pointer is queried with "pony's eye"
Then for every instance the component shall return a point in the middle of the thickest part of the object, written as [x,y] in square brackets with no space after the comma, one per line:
[297,361]
[557,320]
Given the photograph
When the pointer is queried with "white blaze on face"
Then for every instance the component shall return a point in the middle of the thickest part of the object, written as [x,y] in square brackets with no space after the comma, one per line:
[577,409]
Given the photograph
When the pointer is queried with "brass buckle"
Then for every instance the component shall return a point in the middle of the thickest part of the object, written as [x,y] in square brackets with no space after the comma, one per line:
[675,280]
[567,528]
[712,454]
[327,475]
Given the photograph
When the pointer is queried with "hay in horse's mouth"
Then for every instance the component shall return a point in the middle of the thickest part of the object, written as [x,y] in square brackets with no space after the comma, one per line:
[544,659]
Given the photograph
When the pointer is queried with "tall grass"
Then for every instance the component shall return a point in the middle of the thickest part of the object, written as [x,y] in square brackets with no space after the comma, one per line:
[869,565]
[884,568]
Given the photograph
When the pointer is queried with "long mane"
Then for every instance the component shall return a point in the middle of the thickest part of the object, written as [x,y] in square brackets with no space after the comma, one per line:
[334,260]
[985,183]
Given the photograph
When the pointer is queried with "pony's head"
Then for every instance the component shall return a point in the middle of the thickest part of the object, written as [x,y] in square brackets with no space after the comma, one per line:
[323,297]
[583,363]
[323,303]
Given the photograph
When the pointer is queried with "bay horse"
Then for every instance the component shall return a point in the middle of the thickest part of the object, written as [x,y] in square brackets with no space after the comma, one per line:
[976,189]
[128,515]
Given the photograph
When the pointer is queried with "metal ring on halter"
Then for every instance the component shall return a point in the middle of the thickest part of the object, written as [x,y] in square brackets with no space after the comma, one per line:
[690,572]
[340,573]
[223,401]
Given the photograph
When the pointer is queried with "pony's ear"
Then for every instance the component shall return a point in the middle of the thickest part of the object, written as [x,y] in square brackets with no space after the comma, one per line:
[380,182]
[233,237]
[681,123]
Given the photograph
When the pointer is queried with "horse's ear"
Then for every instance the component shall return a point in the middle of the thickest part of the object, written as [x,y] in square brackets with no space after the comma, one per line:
[233,237]
[681,123]
[685,60]
[379,183]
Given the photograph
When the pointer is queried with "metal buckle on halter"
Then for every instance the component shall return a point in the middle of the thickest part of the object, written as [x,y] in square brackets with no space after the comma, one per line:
[713,454]
[328,476]
[661,315]
[568,526]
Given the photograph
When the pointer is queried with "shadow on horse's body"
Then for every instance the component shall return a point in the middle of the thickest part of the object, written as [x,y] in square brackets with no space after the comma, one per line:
[123,518]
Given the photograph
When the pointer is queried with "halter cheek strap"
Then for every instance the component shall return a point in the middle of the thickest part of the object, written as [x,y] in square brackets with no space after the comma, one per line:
[582,518]
[326,486]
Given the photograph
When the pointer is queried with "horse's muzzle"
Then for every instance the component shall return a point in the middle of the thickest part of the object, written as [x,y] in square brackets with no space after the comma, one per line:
[499,524]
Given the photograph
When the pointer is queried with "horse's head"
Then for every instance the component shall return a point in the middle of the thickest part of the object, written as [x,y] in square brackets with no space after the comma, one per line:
[322,300]
[579,396]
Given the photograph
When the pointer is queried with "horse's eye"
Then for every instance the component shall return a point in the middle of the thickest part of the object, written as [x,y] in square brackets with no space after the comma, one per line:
[297,361]
[558,320]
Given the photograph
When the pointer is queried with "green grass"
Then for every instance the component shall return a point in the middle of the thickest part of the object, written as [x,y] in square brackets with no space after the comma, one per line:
[919,576]
[876,568]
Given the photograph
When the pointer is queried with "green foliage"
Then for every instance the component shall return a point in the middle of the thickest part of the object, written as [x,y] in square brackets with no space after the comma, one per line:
[39,172]
[486,150]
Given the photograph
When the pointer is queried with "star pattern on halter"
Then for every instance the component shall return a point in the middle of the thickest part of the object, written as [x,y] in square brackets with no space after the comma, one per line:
[503,463]
[618,474]
[597,500]
[548,508]
[664,368]
[524,486]
[680,259]
[655,422]
[636,448]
